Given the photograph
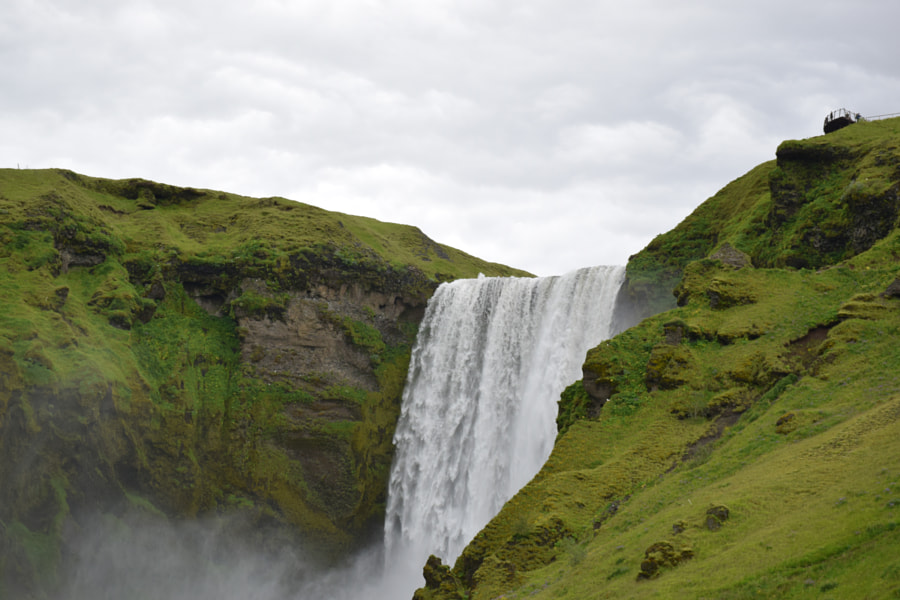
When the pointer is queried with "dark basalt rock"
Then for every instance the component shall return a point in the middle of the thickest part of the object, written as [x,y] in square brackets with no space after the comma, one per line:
[731,256]
[662,554]
[668,367]
[893,290]
[786,423]
[439,578]
[873,214]
[724,294]
[675,331]
[716,517]
[600,378]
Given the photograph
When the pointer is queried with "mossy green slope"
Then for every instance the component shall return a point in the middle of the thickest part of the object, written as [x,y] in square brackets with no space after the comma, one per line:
[745,443]
[823,200]
[134,217]
[151,355]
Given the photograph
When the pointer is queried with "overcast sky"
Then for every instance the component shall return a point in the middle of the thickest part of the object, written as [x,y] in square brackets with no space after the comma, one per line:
[547,135]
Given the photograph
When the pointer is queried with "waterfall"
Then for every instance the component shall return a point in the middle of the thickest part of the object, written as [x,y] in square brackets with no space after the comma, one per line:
[479,408]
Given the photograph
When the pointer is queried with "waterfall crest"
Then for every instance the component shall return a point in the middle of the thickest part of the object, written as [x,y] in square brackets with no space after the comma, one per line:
[479,408]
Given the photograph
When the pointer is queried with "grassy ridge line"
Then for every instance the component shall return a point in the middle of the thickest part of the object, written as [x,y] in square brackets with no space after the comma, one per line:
[146,216]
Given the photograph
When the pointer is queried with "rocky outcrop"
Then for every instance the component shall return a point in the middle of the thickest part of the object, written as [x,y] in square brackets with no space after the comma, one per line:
[439,580]
[661,555]
[731,256]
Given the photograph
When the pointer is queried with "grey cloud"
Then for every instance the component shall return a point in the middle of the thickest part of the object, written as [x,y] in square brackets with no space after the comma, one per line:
[616,118]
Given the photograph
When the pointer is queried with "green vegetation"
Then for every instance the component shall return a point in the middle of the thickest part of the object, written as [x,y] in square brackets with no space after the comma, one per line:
[823,201]
[746,442]
[186,352]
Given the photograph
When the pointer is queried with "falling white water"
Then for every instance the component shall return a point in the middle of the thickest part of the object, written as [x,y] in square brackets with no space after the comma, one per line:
[479,408]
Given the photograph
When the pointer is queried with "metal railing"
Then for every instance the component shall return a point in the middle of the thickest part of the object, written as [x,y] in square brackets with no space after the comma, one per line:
[840,118]
[842,113]
[876,117]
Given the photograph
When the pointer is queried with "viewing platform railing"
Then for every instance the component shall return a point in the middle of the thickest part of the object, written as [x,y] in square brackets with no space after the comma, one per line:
[876,117]
[840,118]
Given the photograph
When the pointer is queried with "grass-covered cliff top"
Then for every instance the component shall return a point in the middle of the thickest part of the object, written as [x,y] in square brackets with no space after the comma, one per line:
[135,216]
[823,200]
[746,443]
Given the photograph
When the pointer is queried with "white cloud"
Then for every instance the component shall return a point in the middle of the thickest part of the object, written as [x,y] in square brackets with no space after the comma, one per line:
[618,146]
[547,135]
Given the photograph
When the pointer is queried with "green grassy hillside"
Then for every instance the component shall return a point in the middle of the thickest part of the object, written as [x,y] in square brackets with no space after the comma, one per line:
[746,442]
[187,352]
[138,220]
[823,200]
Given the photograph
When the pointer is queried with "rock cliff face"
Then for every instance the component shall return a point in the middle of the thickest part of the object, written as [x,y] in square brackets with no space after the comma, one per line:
[185,353]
